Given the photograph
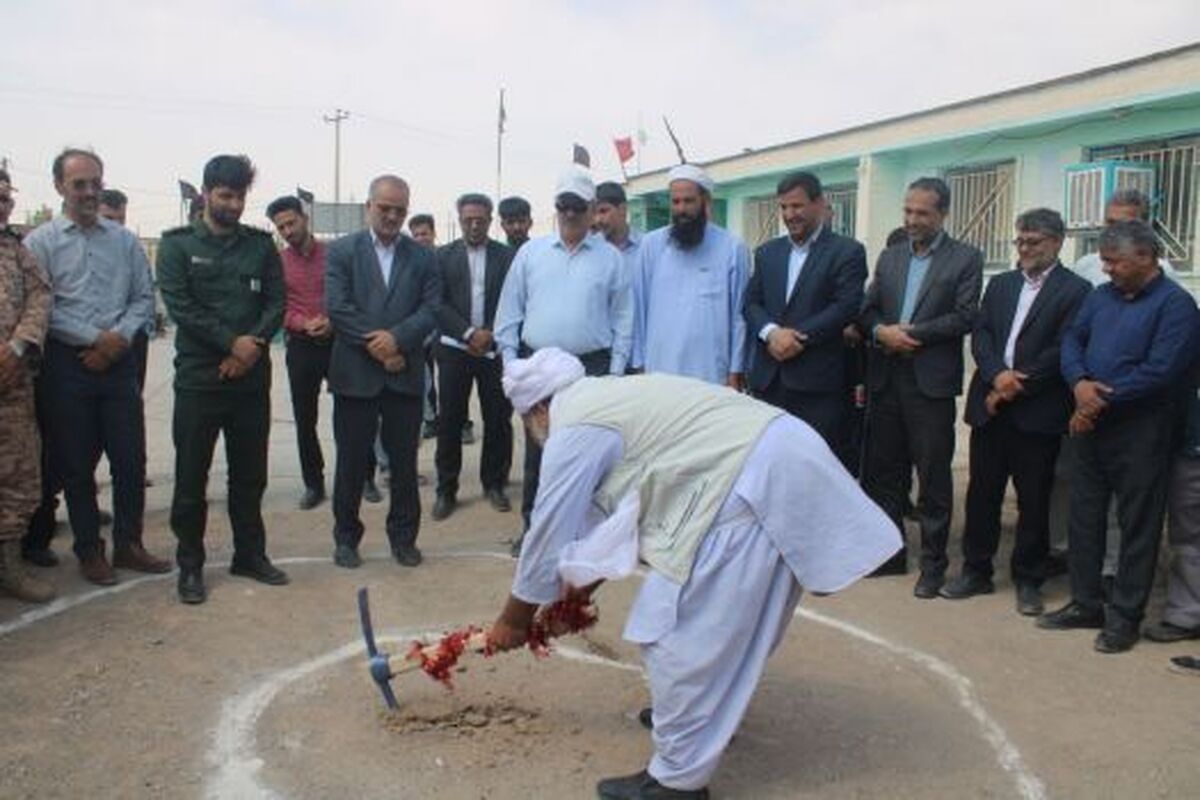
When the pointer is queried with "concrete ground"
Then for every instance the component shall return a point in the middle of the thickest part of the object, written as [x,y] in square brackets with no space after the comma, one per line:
[262,692]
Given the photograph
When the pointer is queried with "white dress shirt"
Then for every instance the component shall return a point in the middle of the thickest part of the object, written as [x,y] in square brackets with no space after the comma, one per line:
[797,258]
[386,253]
[1029,293]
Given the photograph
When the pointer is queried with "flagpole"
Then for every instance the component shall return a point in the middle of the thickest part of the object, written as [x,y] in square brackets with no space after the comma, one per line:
[500,148]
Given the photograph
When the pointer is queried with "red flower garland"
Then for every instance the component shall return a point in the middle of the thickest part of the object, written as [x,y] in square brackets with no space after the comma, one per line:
[557,619]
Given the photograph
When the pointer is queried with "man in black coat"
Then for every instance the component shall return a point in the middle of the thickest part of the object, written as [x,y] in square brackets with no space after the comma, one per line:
[1017,406]
[472,272]
[805,288]
[382,292]
[920,305]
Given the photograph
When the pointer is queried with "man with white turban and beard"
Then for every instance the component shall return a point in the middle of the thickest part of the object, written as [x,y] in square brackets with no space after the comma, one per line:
[689,281]
[736,507]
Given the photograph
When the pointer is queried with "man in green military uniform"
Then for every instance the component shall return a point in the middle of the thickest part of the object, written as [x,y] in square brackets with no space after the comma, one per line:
[222,283]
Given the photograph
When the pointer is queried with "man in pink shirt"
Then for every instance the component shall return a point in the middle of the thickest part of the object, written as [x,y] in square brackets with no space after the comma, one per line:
[309,336]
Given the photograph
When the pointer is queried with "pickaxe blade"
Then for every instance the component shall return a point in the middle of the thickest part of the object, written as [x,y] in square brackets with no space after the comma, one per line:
[377,664]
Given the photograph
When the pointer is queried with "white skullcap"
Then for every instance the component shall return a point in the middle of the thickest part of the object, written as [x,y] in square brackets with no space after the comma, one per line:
[528,381]
[576,181]
[690,172]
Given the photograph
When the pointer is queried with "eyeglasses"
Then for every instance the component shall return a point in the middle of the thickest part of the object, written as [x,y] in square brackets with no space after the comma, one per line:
[1029,241]
[571,206]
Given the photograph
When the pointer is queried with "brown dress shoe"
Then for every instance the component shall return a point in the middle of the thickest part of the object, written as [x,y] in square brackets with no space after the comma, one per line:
[135,557]
[95,569]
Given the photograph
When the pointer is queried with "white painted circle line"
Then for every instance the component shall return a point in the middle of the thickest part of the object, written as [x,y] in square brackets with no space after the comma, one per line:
[1029,786]
[233,755]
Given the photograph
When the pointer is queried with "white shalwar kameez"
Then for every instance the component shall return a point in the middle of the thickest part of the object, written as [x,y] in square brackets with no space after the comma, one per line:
[793,518]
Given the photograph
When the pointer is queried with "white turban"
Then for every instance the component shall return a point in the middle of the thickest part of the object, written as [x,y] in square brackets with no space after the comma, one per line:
[528,381]
[690,172]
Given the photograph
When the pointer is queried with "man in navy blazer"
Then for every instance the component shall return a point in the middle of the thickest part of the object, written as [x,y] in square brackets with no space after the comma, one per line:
[805,288]
[382,292]
[1017,406]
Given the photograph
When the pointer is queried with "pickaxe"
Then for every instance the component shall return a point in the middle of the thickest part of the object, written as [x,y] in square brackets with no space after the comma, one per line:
[384,666]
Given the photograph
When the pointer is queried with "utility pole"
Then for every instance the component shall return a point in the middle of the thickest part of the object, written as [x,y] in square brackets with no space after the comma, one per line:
[338,116]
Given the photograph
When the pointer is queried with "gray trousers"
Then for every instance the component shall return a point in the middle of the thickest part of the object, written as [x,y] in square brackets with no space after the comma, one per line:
[1183,536]
[1060,503]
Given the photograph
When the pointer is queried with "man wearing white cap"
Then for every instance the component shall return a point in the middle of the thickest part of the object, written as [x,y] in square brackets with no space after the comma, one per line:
[567,290]
[690,279]
[735,506]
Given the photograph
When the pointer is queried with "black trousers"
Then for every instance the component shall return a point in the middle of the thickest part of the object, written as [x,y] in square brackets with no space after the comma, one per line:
[245,420]
[824,412]
[41,524]
[1129,458]
[457,372]
[906,429]
[595,363]
[397,419]
[1000,451]
[92,413]
[141,351]
[308,368]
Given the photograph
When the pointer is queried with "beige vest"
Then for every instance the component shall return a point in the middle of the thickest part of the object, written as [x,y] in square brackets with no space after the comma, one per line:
[685,442]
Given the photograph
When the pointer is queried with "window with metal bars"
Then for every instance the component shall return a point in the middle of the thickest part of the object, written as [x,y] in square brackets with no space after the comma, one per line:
[981,209]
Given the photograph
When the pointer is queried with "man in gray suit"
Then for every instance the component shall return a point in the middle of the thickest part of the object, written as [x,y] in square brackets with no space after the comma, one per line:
[381,292]
[921,302]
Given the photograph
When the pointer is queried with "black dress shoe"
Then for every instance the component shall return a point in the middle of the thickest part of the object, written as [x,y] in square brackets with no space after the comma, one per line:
[967,585]
[313,497]
[259,569]
[191,587]
[896,565]
[42,557]
[1029,600]
[1185,665]
[371,492]
[407,555]
[1167,632]
[643,787]
[928,586]
[498,499]
[444,506]
[1116,639]
[1072,616]
[646,717]
[346,556]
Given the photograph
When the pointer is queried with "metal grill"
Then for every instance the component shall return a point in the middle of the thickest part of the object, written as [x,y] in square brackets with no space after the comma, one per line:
[843,202]
[760,220]
[1175,194]
[981,209]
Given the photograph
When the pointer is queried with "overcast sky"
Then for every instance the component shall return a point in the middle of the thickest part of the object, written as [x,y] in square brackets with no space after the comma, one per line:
[156,88]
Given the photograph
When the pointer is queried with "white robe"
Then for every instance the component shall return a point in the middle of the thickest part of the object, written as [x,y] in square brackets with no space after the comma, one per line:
[793,516]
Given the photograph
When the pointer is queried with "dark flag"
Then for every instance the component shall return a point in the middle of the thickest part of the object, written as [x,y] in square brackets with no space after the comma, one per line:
[580,156]
[188,192]
[305,195]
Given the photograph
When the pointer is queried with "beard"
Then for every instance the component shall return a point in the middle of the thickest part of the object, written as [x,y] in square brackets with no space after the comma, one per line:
[688,232]
[224,217]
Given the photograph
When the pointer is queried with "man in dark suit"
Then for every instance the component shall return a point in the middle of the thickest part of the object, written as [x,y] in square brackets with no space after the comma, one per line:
[920,304]
[472,272]
[381,292]
[1018,406]
[805,288]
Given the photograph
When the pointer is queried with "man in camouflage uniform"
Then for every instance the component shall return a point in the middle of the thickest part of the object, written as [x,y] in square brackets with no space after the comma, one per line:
[24,316]
[222,283]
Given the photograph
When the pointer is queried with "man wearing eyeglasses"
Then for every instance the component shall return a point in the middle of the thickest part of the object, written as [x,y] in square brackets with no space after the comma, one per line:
[1017,407]
[102,299]
[567,290]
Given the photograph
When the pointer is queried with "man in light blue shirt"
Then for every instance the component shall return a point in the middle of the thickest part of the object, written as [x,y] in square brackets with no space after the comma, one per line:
[103,298]
[611,220]
[568,290]
[690,281]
